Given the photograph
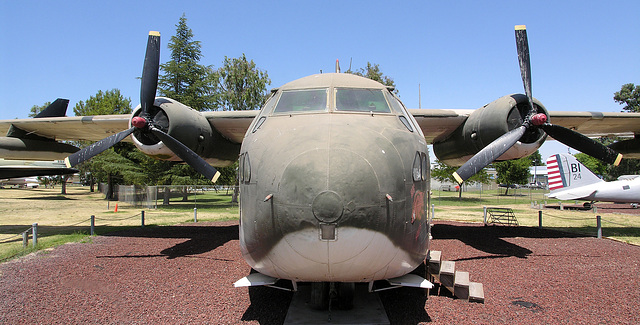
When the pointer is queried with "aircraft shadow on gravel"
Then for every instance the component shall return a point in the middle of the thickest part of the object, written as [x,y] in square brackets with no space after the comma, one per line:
[490,239]
[199,239]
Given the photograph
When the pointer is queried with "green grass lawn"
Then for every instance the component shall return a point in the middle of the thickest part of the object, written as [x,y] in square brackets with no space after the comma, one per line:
[59,229]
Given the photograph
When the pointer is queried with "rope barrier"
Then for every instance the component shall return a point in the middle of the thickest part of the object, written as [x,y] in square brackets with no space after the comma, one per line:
[6,240]
[565,218]
[615,223]
[118,219]
[11,238]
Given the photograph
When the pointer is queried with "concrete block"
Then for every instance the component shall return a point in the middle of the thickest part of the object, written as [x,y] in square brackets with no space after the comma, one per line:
[434,260]
[447,273]
[461,285]
[476,292]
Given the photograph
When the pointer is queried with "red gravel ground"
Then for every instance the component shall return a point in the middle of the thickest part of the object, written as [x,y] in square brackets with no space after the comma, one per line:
[184,274]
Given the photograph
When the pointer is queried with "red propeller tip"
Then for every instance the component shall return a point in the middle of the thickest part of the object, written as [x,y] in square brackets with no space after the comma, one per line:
[139,122]
[539,119]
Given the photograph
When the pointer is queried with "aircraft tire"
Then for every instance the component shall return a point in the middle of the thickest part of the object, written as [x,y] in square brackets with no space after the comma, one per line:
[346,292]
[319,298]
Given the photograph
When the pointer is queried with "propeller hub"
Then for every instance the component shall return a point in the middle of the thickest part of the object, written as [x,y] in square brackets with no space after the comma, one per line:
[139,122]
[539,119]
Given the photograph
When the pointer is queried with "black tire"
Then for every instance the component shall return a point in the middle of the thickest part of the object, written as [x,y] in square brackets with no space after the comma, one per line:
[346,293]
[319,298]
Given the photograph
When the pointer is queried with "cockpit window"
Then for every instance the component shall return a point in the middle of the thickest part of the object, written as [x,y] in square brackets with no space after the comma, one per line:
[361,100]
[299,101]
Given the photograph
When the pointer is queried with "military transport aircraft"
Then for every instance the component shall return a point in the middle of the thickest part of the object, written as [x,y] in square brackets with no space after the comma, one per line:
[333,170]
[571,180]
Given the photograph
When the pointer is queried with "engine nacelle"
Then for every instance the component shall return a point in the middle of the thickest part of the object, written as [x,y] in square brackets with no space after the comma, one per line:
[189,127]
[488,123]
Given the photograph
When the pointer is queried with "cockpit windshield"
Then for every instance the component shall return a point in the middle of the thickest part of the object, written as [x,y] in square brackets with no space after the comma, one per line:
[361,100]
[300,101]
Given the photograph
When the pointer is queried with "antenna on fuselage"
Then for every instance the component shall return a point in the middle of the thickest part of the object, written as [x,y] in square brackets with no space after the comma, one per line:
[337,66]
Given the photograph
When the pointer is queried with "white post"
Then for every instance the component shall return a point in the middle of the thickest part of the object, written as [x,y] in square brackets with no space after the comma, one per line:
[485,216]
[34,229]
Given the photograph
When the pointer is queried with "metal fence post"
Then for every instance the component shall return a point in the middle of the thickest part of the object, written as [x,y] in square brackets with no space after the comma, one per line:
[599,225]
[195,214]
[25,239]
[540,219]
[433,211]
[34,229]
[485,216]
[142,218]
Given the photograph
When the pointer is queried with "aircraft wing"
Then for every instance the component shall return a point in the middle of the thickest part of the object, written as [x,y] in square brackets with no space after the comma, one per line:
[90,128]
[231,124]
[21,168]
[597,124]
[438,124]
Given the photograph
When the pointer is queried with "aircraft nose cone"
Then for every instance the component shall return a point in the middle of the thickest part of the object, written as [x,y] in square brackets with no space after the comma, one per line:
[327,206]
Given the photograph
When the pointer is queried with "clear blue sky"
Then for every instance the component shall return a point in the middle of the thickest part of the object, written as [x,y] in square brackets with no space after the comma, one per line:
[462,53]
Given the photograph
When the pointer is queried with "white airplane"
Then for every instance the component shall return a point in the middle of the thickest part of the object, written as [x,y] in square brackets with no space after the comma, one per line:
[571,180]
[21,182]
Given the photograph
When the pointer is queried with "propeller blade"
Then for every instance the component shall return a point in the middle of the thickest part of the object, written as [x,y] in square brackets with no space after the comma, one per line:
[96,148]
[187,155]
[522,44]
[488,154]
[149,82]
[582,143]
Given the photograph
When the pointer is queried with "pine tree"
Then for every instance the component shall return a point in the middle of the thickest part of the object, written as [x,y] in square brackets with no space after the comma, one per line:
[184,79]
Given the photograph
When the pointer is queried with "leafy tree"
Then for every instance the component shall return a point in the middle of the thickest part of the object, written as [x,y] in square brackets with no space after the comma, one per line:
[104,103]
[35,109]
[109,166]
[513,172]
[184,79]
[228,174]
[240,85]
[444,173]
[536,159]
[372,71]
[629,94]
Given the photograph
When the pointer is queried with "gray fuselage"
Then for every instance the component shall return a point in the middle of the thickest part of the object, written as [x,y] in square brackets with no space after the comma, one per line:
[334,180]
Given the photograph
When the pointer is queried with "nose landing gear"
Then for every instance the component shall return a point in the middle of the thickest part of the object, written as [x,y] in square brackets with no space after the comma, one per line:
[327,295]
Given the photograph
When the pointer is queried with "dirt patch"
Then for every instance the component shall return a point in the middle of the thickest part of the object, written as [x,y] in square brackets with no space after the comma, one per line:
[184,274]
